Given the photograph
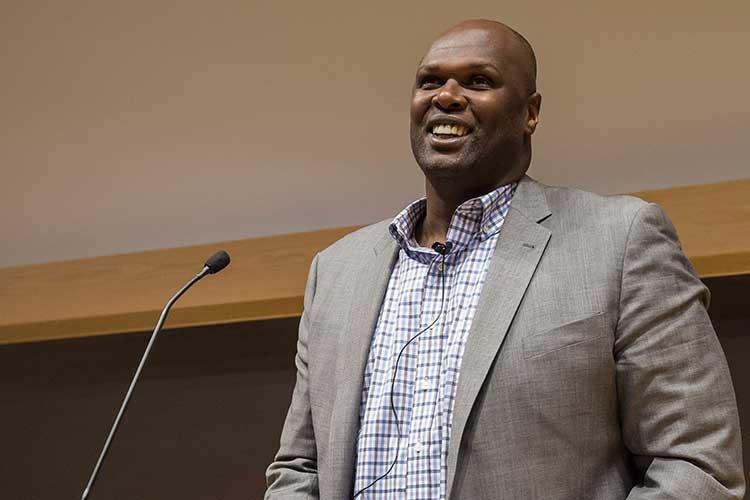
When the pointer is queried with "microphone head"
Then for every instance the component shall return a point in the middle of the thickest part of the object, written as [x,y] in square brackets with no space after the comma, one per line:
[217,262]
[441,248]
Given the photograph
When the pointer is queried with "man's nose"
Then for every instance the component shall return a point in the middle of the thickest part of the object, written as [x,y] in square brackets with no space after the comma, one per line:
[450,97]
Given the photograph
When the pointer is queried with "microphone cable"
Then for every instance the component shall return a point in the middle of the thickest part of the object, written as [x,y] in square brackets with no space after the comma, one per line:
[443,250]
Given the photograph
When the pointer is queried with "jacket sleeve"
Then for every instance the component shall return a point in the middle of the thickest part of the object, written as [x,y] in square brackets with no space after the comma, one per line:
[293,475]
[677,404]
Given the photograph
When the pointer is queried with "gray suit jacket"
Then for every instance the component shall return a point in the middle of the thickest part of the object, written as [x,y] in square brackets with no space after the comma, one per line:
[591,370]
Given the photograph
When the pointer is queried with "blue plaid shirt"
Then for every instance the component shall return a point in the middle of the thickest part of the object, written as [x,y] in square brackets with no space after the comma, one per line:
[425,385]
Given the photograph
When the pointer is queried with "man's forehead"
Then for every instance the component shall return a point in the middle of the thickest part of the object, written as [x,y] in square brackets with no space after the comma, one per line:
[471,36]
[470,42]
[457,46]
[467,53]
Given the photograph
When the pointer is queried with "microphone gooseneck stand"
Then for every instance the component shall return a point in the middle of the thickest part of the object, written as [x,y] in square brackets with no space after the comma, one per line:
[215,263]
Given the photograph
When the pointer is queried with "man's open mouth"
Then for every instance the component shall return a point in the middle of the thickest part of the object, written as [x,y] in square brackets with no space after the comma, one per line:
[445,130]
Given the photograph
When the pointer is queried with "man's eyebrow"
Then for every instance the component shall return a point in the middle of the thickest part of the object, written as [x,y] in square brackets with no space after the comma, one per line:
[475,66]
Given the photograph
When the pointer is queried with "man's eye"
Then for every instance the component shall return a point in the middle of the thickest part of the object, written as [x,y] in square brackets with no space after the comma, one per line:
[480,81]
[429,82]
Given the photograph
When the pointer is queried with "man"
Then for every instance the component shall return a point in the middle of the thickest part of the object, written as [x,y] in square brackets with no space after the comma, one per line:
[556,346]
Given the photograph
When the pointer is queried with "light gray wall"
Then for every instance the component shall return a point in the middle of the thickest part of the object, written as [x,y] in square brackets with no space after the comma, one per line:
[133,125]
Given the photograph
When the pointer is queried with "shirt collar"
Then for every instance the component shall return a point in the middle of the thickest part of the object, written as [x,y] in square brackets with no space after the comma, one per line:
[477,218]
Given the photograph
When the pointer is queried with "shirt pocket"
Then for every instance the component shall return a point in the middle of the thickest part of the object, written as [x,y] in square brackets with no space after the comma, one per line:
[567,335]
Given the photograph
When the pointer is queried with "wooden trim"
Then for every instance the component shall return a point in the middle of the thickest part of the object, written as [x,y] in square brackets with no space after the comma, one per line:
[713,222]
[125,293]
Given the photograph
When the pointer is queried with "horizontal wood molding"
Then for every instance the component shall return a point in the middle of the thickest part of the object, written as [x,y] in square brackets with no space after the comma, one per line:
[713,222]
[266,279]
[125,293]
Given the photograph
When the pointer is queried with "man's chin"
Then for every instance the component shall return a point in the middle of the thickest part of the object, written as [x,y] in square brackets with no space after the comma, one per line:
[443,166]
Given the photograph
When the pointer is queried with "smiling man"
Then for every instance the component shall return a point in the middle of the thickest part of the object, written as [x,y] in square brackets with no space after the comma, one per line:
[503,339]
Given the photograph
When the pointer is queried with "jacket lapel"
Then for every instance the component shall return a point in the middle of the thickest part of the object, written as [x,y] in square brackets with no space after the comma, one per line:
[367,296]
[520,246]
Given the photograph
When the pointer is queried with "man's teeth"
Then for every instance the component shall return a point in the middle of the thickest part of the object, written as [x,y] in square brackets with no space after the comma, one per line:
[457,130]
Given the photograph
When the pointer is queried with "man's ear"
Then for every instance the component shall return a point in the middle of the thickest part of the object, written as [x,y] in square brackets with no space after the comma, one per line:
[533,107]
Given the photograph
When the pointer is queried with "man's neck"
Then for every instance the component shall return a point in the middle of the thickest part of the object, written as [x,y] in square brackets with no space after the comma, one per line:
[444,196]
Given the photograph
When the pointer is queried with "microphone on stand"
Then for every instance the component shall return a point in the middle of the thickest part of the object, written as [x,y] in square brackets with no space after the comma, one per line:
[213,265]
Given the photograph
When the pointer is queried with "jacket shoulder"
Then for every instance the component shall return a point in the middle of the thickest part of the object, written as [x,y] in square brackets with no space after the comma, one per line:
[577,208]
[357,242]
[581,200]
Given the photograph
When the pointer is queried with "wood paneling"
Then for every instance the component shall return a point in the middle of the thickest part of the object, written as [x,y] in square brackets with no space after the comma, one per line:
[125,293]
[713,221]
[204,421]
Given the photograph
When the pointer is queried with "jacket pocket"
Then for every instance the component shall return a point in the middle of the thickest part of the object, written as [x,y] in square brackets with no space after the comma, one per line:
[567,335]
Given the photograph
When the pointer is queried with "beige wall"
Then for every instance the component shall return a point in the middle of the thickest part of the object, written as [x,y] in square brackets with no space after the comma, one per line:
[146,124]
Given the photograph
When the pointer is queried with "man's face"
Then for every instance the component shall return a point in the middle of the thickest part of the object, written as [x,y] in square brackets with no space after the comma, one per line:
[468,110]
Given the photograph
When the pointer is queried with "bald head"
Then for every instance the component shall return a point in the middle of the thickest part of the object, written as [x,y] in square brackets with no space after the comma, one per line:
[509,45]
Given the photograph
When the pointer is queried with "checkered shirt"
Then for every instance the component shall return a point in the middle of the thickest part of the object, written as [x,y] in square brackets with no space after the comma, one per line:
[425,386]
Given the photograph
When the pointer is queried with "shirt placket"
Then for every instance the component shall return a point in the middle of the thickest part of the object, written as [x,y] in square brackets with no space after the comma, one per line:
[424,439]
[404,387]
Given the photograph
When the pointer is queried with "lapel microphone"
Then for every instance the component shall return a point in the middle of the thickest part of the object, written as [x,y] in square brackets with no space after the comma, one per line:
[213,265]
[443,249]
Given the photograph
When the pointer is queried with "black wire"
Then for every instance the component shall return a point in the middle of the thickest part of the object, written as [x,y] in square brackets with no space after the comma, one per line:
[395,373]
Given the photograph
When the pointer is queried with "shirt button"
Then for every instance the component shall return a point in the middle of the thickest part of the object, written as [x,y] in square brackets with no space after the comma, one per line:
[424,384]
[418,446]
